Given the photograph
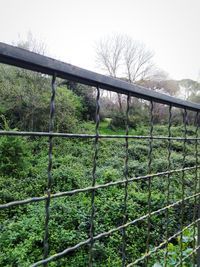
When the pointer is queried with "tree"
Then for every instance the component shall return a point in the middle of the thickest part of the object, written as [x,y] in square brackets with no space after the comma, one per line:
[190,89]
[169,87]
[137,60]
[88,96]
[110,54]
[24,93]
[32,44]
[122,57]
[25,97]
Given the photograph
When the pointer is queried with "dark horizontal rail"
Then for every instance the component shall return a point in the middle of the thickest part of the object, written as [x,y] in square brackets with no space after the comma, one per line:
[28,60]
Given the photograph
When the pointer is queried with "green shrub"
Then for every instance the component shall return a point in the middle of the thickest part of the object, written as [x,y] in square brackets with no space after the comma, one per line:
[14,153]
[174,250]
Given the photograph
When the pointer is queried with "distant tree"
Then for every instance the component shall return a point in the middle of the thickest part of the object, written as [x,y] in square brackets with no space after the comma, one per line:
[109,53]
[170,87]
[122,57]
[190,89]
[25,97]
[137,59]
[24,93]
[32,44]
[87,95]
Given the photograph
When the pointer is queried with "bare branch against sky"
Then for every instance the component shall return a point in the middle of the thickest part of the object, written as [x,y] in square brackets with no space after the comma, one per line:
[70,28]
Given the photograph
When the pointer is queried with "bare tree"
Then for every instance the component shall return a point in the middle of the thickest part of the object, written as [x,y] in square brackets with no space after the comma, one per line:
[109,53]
[122,57]
[137,59]
[32,44]
[110,57]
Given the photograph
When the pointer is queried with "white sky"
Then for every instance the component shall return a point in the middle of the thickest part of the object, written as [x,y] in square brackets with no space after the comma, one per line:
[70,28]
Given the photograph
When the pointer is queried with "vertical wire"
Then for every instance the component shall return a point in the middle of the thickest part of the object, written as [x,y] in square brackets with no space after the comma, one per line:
[198,223]
[195,184]
[149,181]
[125,185]
[49,181]
[94,178]
[183,183]
[168,182]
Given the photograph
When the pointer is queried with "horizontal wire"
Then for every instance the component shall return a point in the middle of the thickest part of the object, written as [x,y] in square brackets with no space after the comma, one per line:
[104,234]
[162,244]
[90,188]
[71,135]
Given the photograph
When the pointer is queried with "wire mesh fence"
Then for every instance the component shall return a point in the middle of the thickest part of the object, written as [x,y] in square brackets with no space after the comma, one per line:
[187,199]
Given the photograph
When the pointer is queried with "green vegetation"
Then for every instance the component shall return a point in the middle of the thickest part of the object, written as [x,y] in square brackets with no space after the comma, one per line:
[23,174]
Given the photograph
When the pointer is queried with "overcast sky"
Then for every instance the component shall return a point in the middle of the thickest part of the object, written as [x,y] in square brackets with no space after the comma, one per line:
[70,28]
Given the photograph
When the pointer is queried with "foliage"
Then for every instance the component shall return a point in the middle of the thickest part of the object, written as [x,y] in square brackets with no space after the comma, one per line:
[174,250]
[23,227]
[23,174]
[119,54]
[25,101]
[14,153]
[69,109]
[87,95]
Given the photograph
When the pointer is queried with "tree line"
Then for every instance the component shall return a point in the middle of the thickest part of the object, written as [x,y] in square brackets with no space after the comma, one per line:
[25,94]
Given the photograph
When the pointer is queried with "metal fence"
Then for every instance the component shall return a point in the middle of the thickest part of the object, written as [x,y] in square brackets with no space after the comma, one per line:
[24,59]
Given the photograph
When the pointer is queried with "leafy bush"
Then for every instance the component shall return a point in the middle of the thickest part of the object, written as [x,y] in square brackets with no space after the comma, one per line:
[23,227]
[174,251]
[68,110]
[14,153]
[118,120]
